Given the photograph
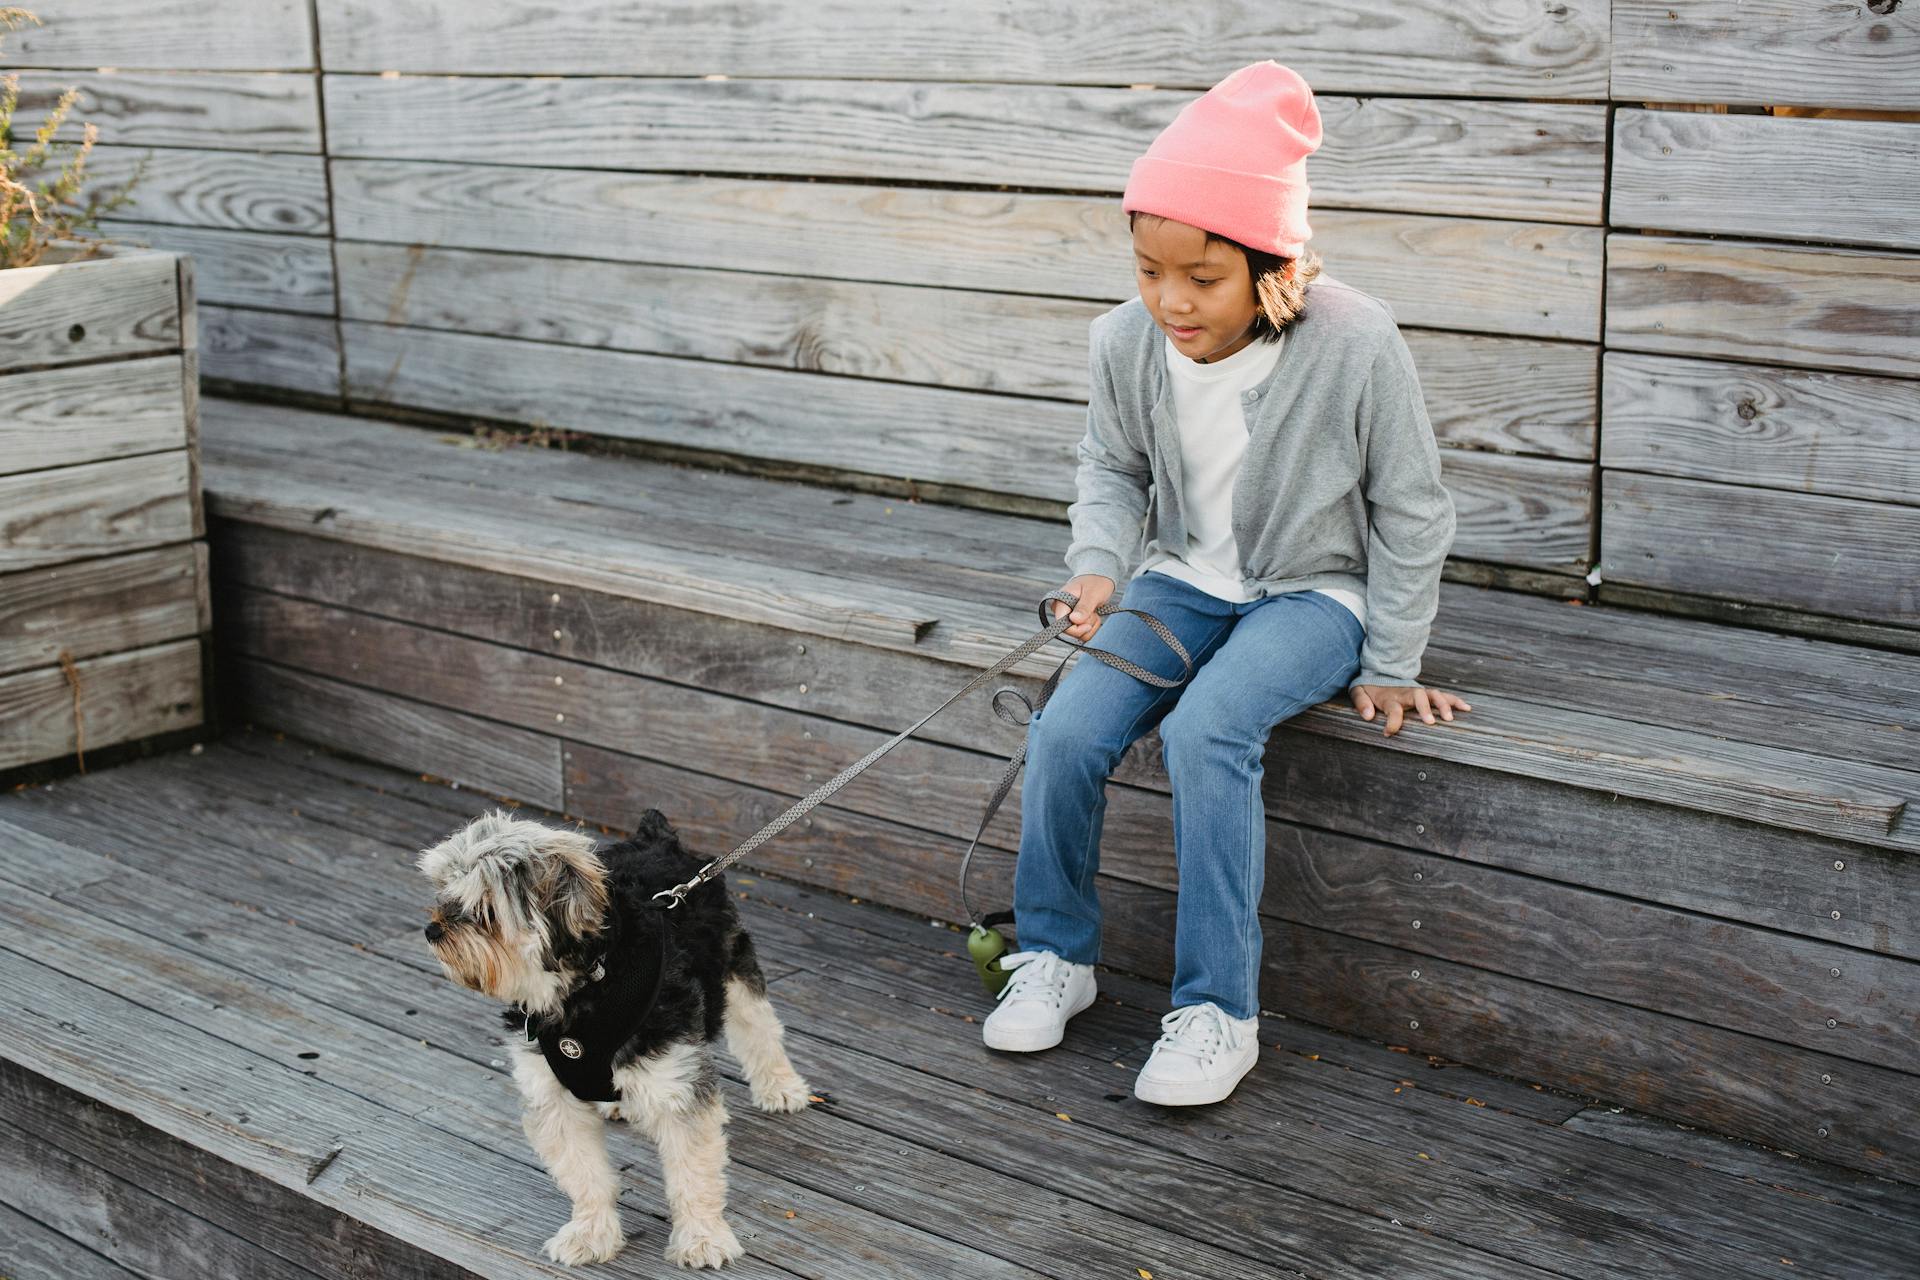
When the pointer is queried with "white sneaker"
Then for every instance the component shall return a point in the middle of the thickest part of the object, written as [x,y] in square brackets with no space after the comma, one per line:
[1042,994]
[1200,1056]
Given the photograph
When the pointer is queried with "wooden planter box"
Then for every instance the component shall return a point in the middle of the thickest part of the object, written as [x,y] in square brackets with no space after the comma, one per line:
[103,566]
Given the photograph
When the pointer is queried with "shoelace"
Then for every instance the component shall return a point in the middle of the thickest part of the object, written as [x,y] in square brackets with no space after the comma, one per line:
[1200,1031]
[1037,975]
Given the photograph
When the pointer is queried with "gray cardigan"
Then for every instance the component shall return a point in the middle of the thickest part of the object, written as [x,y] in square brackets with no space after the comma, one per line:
[1341,415]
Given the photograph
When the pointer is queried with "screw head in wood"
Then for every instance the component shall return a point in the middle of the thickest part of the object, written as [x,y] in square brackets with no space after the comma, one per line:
[1839,866]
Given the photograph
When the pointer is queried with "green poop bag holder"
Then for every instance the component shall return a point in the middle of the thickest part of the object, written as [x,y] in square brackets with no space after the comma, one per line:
[985,943]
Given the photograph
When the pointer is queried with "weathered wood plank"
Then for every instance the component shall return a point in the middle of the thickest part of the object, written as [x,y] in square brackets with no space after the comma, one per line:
[1527,511]
[960,338]
[1729,1082]
[198,187]
[1846,181]
[1781,879]
[1543,397]
[465,748]
[1829,308]
[223,110]
[121,1220]
[1540,161]
[247,268]
[64,416]
[573,556]
[93,607]
[1739,613]
[205,34]
[246,347]
[1544,402]
[926,433]
[38,1252]
[123,303]
[1823,554]
[1896,1202]
[1827,699]
[1420,47]
[94,509]
[1529,279]
[1766,51]
[1848,436]
[919,433]
[287,1223]
[1839,798]
[123,696]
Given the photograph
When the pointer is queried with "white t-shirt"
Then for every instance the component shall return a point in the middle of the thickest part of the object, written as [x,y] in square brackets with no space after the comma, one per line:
[1213,438]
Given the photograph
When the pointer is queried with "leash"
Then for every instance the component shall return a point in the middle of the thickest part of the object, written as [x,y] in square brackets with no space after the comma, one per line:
[982,939]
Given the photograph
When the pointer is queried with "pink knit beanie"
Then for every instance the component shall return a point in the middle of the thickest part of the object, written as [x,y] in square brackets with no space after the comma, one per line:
[1234,161]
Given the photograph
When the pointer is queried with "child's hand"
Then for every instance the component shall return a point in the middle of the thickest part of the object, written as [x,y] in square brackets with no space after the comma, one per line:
[1395,700]
[1093,590]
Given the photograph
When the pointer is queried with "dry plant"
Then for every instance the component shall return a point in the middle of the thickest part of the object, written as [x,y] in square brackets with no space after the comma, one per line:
[36,210]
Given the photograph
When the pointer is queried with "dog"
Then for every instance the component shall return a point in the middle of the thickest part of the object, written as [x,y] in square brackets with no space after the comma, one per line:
[616,1005]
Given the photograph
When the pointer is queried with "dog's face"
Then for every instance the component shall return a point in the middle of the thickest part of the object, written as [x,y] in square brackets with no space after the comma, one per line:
[513,902]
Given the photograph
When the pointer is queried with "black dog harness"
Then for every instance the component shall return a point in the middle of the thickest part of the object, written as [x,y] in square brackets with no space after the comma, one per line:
[594,1021]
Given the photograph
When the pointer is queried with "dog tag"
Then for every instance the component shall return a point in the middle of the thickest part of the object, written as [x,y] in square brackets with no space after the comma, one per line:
[570,1047]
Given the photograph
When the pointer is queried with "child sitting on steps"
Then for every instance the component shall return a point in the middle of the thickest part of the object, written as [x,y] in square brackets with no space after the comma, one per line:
[1262,425]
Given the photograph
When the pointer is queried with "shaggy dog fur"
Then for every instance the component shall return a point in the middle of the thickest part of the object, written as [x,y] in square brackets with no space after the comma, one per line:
[569,933]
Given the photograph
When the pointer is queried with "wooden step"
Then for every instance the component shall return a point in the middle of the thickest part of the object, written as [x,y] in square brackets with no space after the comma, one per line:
[194,1043]
[902,576]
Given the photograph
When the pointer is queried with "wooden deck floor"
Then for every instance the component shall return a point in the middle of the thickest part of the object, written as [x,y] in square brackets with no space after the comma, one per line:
[222,948]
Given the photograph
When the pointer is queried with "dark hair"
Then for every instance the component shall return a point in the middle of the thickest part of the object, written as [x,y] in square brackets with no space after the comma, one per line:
[1279,283]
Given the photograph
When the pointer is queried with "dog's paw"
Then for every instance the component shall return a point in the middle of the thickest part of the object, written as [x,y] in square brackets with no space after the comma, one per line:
[702,1244]
[787,1092]
[591,1239]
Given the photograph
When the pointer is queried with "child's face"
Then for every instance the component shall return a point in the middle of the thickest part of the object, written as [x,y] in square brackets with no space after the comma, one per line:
[1198,291]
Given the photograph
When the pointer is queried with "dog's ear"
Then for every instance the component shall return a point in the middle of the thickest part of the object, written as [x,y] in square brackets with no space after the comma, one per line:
[653,828]
[570,882]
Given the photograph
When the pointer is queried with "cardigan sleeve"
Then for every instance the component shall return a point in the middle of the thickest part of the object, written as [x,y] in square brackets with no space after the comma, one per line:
[1410,518]
[1112,481]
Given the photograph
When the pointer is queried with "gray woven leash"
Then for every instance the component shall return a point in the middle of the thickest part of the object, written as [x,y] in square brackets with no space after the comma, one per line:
[1049,629]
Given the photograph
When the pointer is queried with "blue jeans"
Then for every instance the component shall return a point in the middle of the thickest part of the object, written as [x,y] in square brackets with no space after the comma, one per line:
[1255,664]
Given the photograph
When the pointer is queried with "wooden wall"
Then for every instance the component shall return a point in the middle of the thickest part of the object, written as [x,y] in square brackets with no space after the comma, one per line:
[1760,433]
[1653,339]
